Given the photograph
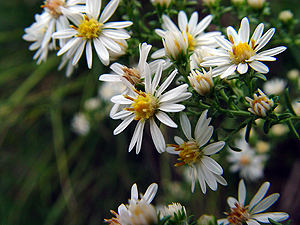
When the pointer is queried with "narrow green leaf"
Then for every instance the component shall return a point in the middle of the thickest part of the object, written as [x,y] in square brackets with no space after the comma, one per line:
[267,126]
[248,130]
[288,103]
[260,76]
[292,129]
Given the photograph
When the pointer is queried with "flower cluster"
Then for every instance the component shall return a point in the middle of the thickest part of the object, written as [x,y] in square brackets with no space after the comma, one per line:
[198,79]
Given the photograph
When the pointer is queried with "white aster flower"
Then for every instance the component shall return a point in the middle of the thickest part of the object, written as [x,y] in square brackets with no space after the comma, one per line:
[249,165]
[138,211]
[196,152]
[201,82]
[194,31]
[240,52]
[251,214]
[80,124]
[144,106]
[197,57]
[274,86]
[175,44]
[54,18]
[260,105]
[93,27]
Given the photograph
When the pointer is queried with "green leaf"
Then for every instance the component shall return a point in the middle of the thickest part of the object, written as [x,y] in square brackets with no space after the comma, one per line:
[273,222]
[293,129]
[234,148]
[260,76]
[248,130]
[234,76]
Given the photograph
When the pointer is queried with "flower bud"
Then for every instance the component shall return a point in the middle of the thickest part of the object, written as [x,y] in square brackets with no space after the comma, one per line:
[201,82]
[256,4]
[207,220]
[165,3]
[260,105]
[285,16]
[175,43]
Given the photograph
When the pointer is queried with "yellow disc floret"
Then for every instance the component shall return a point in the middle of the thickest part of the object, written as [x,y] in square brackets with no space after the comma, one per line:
[190,152]
[241,52]
[191,41]
[239,214]
[144,105]
[89,28]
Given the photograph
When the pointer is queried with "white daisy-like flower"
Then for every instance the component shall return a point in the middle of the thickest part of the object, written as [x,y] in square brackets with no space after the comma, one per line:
[251,214]
[145,106]
[138,211]
[93,27]
[260,105]
[197,58]
[240,52]
[54,18]
[194,31]
[274,86]
[248,163]
[201,82]
[175,44]
[196,152]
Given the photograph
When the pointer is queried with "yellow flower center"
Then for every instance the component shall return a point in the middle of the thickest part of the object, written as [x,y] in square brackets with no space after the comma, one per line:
[54,7]
[238,215]
[241,52]
[88,28]
[191,41]
[144,105]
[190,152]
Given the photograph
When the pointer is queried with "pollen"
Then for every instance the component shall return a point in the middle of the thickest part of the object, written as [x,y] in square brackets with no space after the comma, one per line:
[54,7]
[89,28]
[241,52]
[190,152]
[144,105]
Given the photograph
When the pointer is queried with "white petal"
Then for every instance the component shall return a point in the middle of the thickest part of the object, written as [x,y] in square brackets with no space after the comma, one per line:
[156,78]
[185,125]
[231,202]
[166,83]
[148,77]
[109,10]
[265,203]
[117,25]
[168,23]
[93,7]
[242,192]
[78,53]
[117,68]
[209,178]
[121,114]
[134,192]
[67,33]
[193,22]
[230,70]
[101,51]
[203,24]
[110,44]
[259,195]
[123,125]
[244,31]
[257,33]
[69,45]
[137,135]
[89,54]
[252,222]
[115,34]
[265,39]
[158,54]
[213,148]
[232,32]
[110,78]
[120,99]
[178,140]
[167,107]
[242,68]
[276,216]
[206,135]
[150,193]
[201,178]
[212,165]
[182,21]
[157,137]
[223,43]
[273,51]
[259,67]
[165,119]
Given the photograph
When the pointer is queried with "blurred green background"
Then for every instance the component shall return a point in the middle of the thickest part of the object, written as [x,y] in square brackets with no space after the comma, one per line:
[49,175]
